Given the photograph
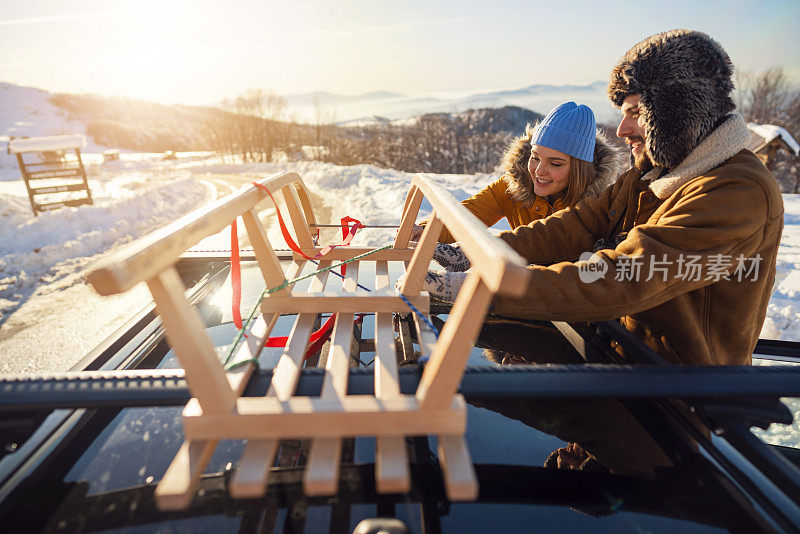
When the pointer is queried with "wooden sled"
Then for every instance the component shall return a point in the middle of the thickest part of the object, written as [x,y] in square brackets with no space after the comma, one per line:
[218,411]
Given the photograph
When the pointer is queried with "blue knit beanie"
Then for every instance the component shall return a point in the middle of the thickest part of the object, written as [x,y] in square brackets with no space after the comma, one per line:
[569,128]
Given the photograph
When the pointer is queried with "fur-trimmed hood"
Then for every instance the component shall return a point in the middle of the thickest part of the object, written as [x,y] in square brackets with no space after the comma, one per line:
[609,163]
[719,146]
[684,79]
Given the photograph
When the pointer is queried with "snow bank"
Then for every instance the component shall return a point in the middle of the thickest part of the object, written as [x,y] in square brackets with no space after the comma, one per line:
[366,192]
[28,112]
[44,249]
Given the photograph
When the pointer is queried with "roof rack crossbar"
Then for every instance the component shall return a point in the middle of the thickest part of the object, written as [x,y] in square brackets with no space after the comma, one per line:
[96,389]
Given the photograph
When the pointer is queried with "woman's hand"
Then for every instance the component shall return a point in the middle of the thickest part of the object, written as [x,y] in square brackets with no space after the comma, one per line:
[451,257]
[441,286]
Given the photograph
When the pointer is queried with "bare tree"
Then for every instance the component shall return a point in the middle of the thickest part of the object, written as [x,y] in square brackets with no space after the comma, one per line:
[257,129]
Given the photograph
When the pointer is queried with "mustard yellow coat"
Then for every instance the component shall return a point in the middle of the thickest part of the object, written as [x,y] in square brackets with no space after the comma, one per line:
[494,203]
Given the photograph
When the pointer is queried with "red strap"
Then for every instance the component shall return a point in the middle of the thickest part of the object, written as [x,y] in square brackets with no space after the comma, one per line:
[347,237]
[317,338]
[280,341]
[345,225]
[236,277]
[285,231]
[348,233]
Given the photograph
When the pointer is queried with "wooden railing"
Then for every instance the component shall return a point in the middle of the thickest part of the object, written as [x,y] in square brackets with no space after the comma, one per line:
[218,411]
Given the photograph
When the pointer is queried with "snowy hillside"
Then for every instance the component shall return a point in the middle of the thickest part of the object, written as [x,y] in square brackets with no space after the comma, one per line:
[27,112]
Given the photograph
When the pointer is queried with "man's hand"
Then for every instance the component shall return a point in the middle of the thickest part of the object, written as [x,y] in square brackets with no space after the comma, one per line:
[452,258]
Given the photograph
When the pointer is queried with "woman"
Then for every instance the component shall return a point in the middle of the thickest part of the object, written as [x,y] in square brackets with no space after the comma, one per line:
[553,166]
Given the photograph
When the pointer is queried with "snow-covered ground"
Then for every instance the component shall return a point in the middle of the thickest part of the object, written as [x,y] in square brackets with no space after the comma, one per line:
[129,202]
[138,195]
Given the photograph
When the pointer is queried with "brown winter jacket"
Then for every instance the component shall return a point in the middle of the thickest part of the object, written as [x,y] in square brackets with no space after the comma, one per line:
[720,209]
[512,196]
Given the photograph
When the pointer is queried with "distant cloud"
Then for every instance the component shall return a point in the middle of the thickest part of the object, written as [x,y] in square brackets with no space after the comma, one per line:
[58,18]
[57,61]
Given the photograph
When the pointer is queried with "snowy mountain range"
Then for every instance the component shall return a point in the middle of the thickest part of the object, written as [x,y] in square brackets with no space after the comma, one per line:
[360,109]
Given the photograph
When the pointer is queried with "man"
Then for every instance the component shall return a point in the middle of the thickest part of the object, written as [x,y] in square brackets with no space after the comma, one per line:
[685,242]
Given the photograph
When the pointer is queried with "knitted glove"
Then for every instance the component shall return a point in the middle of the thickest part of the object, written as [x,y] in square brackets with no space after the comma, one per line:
[451,257]
[443,286]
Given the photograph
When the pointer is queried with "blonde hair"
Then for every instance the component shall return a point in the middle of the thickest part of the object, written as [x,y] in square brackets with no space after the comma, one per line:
[581,174]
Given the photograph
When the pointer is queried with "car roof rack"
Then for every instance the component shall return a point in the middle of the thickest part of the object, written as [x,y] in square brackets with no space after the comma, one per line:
[218,411]
[168,387]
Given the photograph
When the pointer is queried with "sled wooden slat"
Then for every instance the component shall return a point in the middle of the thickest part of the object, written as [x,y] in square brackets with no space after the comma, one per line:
[251,477]
[217,410]
[187,335]
[425,336]
[415,275]
[322,468]
[387,381]
[252,473]
[334,385]
[176,490]
[345,253]
[331,301]
[392,474]
[391,457]
[460,481]
[409,216]
[161,249]
[287,371]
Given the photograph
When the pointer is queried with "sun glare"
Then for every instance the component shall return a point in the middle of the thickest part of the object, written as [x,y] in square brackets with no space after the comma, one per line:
[155,50]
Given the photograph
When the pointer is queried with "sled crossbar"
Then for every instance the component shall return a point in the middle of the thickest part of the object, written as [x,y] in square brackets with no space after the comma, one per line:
[217,409]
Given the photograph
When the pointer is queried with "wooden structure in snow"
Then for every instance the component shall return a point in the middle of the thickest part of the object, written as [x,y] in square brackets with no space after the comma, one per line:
[218,411]
[52,176]
[766,140]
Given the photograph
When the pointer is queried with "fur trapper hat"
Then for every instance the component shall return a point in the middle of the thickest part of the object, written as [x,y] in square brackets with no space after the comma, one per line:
[684,79]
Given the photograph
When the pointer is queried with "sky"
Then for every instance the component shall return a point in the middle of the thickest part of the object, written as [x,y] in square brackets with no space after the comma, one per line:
[202,51]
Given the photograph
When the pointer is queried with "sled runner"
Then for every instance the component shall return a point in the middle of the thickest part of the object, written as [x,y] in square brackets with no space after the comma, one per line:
[218,409]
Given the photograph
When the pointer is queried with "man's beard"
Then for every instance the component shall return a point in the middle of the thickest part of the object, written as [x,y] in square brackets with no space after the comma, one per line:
[641,161]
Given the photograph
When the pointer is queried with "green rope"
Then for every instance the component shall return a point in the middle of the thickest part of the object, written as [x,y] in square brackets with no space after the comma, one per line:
[268,291]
